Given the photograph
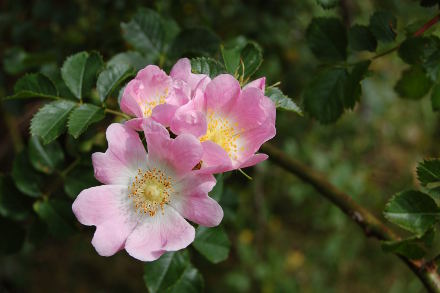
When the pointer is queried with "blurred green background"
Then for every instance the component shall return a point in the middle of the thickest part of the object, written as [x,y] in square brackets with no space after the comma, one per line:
[285,237]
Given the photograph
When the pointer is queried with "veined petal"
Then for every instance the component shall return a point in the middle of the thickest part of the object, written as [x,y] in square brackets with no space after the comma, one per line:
[221,93]
[164,114]
[259,83]
[103,206]
[159,234]
[215,159]
[125,154]
[189,120]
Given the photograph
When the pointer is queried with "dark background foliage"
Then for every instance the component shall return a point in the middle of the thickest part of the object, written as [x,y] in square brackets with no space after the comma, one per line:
[284,236]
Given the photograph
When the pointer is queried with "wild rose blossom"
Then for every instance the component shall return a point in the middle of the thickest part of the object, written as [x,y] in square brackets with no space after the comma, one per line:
[231,123]
[152,93]
[145,197]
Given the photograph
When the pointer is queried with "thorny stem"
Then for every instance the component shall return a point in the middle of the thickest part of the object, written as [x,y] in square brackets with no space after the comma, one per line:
[418,33]
[370,224]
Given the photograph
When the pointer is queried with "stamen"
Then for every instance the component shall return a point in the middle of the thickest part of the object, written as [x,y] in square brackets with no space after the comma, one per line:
[224,133]
[159,99]
[150,191]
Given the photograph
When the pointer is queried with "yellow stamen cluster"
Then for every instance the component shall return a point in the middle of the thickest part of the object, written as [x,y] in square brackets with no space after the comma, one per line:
[158,100]
[150,190]
[224,133]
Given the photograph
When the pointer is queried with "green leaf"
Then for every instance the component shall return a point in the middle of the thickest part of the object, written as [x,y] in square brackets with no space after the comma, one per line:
[190,282]
[252,57]
[15,235]
[413,84]
[34,85]
[112,77]
[432,66]
[133,58]
[195,41]
[417,50]
[212,243]
[412,210]
[208,66]
[50,121]
[353,87]
[414,247]
[231,58]
[79,72]
[145,32]
[217,192]
[328,4]
[166,271]
[324,96]
[428,3]
[383,25]
[79,178]
[428,173]
[82,117]
[45,158]
[327,38]
[360,38]
[435,97]
[58,216]
[281,100]
[25,178]
[13,204]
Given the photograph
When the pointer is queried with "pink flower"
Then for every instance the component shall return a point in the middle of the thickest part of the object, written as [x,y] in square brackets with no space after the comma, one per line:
[145,197]
[231,123]
[155,94]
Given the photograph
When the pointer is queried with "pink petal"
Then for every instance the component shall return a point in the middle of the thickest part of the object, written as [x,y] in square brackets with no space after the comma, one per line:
[186,152]
[135,123]
[158,141]
[158,234]
[259,83]
[125,154]
[254,138]
[253,160]
[102,206]
[130,101]
[249,111]
[198,208]
[181,93]
[188,120]
[182,71]
[222,92]
[182,153]
[164,114]
[151,85]
[215,159]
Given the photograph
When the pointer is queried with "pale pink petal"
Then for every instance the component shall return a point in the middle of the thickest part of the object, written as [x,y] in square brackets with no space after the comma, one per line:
[182,71]
[130,103]
[180,94]
[150,87]
[164,114]
[188,120]
[254,138]
[221,93]
[249,111]
[158,141]
[103,207]
[185,153]
[198,208]
[125,155]
[253,160]
[159,234]
[135,123]
[215,159]
[259,83]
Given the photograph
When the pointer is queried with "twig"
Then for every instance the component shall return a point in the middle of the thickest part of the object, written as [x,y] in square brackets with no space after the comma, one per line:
[370,224]
[117,113]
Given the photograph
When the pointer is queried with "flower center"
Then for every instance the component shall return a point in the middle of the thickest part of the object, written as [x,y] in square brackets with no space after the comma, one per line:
[150,191]
[159,99]
[224,133]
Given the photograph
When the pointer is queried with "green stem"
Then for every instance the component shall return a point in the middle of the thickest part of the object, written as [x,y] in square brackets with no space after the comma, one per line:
[370,224]
[116,113]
